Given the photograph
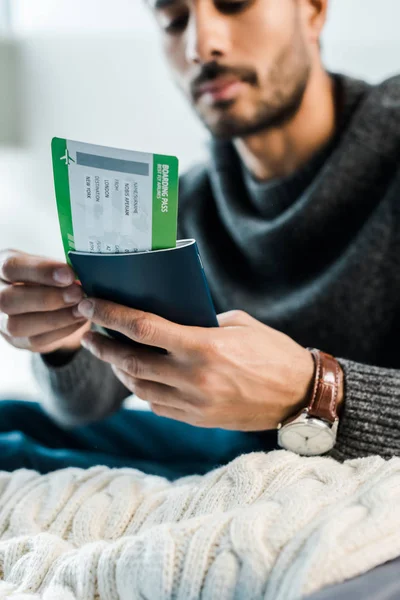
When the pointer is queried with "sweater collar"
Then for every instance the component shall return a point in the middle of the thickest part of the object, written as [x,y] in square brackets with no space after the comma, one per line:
[271,198]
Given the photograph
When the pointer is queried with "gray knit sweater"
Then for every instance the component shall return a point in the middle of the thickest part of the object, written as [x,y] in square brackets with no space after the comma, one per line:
[316,255]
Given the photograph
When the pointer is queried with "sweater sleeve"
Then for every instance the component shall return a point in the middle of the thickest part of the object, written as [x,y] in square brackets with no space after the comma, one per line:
[369,422]
[82,391]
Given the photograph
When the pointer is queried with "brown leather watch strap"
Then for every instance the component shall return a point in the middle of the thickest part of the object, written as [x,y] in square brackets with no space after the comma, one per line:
[327,383]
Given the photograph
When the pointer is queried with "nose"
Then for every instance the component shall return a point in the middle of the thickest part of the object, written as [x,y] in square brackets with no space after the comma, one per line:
[207,35]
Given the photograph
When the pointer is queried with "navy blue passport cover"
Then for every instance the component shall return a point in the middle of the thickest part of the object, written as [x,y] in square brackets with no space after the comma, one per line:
[170,283]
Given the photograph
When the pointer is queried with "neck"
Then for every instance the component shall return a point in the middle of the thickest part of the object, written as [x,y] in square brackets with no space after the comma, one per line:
[281,151]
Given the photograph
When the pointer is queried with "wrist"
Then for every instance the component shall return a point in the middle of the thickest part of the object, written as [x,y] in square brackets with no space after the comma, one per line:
[340,398]
[60,357]
[303,385]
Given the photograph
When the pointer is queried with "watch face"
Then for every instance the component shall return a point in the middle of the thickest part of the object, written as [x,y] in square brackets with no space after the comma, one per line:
[309,438]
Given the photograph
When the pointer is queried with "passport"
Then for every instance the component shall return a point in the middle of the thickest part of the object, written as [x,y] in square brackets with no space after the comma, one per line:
[170,283]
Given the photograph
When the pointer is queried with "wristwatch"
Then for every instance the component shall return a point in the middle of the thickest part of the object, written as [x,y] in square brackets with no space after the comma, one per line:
[313,430]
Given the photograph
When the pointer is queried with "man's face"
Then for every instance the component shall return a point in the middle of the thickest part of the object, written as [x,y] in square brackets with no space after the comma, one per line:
[243,65]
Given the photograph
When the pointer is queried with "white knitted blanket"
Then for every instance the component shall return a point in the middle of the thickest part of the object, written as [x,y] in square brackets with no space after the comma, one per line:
[274,526]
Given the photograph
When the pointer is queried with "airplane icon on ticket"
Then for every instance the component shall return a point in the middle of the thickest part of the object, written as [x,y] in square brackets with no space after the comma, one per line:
[67,158]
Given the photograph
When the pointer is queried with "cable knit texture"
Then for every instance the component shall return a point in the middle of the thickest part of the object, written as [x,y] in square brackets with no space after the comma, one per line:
[245,530]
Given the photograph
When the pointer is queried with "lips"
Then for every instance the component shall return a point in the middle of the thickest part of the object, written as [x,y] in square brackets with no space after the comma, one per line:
[219,89]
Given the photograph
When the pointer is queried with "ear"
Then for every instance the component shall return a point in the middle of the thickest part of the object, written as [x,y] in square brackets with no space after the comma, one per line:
[315,12]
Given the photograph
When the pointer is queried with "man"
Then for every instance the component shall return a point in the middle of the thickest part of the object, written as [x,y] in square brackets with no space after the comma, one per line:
[297,219]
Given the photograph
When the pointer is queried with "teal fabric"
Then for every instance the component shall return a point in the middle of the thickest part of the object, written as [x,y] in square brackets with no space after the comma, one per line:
[138,439]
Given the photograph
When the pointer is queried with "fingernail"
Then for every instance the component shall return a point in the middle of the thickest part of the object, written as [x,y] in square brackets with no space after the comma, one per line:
[63,276]
[86,309]
[72,295]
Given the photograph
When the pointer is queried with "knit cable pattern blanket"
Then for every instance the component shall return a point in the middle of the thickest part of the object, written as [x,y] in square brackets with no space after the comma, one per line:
[275,526]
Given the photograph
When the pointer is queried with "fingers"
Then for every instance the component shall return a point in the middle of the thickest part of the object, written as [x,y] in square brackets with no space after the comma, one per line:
[47,342]
[152,392]
[164,400]
[139,326]
[18,267]
[138,363]
[31,324]
[19,299]
[175,414]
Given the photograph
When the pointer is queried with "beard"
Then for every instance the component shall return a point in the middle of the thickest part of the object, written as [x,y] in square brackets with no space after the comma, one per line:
[281,95]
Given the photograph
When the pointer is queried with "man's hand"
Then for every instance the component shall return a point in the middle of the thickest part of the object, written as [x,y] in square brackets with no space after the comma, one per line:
[241,376]
[36,299]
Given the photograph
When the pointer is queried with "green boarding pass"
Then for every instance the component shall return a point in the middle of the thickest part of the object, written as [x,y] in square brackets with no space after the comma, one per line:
[114,201]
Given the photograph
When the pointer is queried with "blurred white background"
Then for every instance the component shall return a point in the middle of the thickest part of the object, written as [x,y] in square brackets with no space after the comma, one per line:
[92,70]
